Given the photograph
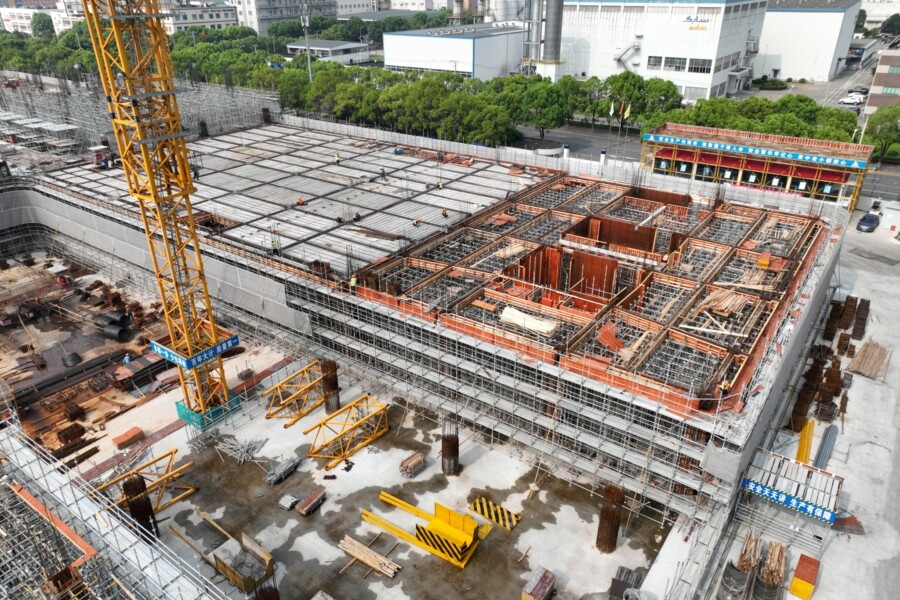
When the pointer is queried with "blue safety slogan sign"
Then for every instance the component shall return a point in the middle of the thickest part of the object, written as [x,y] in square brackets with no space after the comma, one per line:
[197,359]
[758,152]
[773,495]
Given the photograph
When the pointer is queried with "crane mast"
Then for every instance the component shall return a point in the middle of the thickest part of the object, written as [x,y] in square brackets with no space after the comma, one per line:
[132,51]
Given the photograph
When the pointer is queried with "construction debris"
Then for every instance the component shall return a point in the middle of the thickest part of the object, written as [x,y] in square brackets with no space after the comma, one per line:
[369,557]
[312,501]
[871,360]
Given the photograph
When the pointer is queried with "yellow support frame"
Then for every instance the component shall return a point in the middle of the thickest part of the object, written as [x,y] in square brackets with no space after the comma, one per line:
[355,426]
[297,395]
[131,47]
[160,475]
[449,535]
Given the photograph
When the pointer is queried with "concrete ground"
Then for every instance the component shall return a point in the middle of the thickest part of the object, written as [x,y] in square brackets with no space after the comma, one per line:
[557,530]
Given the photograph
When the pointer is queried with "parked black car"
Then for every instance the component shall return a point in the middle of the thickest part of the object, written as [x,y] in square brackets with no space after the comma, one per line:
[868,223]
[859,90]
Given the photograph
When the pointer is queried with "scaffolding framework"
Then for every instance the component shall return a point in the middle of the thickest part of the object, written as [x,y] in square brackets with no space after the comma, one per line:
[296,395]
[341,434]
[161,476]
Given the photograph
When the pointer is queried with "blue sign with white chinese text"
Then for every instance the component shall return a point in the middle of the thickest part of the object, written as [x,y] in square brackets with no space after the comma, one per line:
[197,359]
[773,495]
[757,152]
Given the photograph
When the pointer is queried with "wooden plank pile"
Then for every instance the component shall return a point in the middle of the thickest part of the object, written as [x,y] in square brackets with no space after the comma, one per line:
[773,571]
[871,360]
[750,553]
[369,557]
[412,465]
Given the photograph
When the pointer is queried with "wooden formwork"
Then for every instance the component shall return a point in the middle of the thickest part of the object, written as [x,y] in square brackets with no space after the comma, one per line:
[493,220]
[429,312]
[500,336]
[637,296]
[680,264]
[593,365]
[548,296]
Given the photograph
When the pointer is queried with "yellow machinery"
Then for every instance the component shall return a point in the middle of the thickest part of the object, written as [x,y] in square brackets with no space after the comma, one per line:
[353,427]
[297,395]
[160,475]
[805,445]
[135,66]
[450,535]
[503,517]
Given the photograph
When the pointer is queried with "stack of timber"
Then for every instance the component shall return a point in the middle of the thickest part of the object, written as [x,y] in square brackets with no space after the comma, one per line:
[848,313]
[412,465]
[369,557]
[773,571]
[871,361]
[750,553]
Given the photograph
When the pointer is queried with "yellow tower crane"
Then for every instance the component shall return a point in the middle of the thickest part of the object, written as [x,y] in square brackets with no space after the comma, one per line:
[135,66]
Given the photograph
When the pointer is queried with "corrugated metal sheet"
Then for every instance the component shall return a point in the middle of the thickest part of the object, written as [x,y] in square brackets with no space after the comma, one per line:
[345,247]
[282,197]
[288,231]
[303,184]
[299,216]
[278,165]
[228,182]
[256,173]
[362,198]
[251,204]
[217,163]
[254,152]
[236,214]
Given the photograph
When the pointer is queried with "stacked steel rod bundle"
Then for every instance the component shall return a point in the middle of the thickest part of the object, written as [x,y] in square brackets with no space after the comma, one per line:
[610,518]
[450,448]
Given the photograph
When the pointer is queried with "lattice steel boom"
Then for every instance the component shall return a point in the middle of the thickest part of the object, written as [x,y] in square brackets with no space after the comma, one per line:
[131,47]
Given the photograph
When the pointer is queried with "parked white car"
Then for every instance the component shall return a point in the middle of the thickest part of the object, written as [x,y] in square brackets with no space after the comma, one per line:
[853,99]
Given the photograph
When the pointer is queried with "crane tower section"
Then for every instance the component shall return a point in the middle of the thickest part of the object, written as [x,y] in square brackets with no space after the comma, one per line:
[131,47]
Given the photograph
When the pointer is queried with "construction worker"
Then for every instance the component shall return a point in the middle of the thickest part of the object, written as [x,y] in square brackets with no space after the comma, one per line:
[383,178]
[275,249]
[353,283]
[440,185]
[444,213]
[357,217]
[300,202]
[416,222]
[340,219]
[337,158]
[724,387]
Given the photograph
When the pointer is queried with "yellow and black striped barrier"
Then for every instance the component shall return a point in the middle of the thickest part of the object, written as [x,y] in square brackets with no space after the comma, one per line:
[495,513]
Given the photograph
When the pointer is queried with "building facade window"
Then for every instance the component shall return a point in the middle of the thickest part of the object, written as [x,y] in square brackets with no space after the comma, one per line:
[894,69]
[890,90]
[654,63]
[700,65]
[694,93]
[674,64]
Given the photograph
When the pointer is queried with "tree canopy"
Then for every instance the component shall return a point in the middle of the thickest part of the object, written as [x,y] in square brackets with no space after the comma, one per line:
[42,26]
[444,105]
[884,128]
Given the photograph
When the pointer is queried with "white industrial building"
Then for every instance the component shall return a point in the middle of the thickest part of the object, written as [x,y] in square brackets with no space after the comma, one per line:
[259,14]
[705,48]
[878,11]
[806,39]
[346,53]
[482,51]
[19,19]
[211,16]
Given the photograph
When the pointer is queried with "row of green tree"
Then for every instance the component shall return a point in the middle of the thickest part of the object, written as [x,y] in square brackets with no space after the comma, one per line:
[442,104]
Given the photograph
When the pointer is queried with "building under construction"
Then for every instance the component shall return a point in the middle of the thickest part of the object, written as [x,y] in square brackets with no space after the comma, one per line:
[618,326]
